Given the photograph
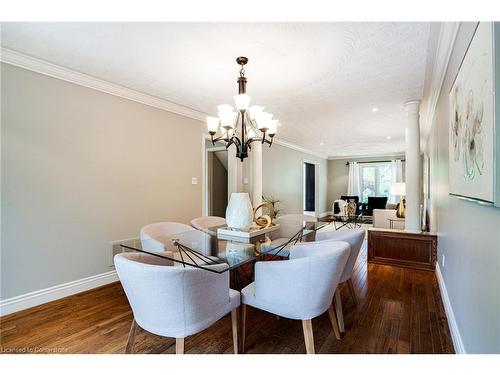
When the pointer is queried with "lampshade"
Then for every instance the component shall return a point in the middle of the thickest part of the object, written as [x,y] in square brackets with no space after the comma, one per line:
[223,108]
[212,124]
[242,102]
[227,119]
[273,126]
[264,120]
[255,111]
[398,188]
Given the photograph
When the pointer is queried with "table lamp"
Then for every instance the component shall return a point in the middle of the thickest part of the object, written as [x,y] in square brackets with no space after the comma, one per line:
[398,188]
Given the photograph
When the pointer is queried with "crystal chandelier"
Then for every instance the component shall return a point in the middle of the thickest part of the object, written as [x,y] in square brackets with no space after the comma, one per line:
[245,125]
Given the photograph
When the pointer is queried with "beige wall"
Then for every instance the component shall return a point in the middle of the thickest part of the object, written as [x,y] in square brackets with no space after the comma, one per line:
[338,175]
[468,233]
[81,168]
[282,177]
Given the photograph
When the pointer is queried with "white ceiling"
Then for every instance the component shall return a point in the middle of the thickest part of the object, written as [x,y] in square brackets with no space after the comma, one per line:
[320,79]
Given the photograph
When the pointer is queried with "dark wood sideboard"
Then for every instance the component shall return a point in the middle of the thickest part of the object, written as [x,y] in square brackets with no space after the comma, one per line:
[403,249]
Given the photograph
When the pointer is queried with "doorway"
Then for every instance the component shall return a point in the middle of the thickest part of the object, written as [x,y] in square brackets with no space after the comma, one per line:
[216,180]
[309,188]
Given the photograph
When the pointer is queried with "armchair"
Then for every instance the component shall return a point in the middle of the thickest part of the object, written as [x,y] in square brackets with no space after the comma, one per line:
[301,288]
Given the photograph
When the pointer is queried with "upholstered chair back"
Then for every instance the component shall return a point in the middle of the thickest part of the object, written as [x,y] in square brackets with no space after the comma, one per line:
[203,223]
[290,224]
[172,301]
[354,237]
[303,286]
[156,230]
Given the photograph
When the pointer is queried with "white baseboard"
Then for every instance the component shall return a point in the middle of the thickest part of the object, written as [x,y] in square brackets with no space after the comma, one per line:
[452,323]
[25,301]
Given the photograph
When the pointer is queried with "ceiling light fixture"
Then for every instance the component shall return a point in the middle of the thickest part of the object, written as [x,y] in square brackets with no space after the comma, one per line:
[252,119]
[374,109]
[388,137]
[321,143]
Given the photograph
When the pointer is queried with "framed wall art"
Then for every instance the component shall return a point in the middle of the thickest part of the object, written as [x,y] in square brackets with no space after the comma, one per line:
[473,132]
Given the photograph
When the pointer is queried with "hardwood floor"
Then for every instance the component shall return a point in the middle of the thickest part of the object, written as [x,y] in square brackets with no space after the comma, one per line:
[399,311]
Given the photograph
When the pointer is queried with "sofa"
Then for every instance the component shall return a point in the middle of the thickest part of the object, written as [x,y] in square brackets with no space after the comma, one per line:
[381,216]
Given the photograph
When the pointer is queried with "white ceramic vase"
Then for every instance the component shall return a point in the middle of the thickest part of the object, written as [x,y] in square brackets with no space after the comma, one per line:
[239,212]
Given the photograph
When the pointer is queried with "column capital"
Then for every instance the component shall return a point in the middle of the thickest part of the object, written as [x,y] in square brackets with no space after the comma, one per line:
[412,107]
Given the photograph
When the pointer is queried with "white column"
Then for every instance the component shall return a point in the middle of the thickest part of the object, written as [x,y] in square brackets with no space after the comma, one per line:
[256,174]
[412,137]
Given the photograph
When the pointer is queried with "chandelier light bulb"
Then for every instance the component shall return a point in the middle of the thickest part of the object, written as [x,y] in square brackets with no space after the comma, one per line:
[242,102]
[264,120]
[273,126]
[227,119]
[224,108]
[255,111]
[212,124]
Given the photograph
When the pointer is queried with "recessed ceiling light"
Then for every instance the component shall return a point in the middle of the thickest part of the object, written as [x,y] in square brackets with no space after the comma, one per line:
[374,109]
[388,137]
[321,143]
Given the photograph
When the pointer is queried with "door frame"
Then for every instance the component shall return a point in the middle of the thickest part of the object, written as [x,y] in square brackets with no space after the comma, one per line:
[317,166]
[204,169]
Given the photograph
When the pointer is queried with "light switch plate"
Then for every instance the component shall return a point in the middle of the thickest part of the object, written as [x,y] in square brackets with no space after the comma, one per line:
[245,181]
[194,180]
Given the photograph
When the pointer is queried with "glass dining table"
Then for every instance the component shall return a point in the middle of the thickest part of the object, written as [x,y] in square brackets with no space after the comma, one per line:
[203,249]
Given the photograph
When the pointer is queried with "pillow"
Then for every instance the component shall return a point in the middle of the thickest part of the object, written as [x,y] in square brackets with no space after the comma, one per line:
[339,203]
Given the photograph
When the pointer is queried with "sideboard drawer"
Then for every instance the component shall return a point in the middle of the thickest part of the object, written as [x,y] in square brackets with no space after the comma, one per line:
[403,249]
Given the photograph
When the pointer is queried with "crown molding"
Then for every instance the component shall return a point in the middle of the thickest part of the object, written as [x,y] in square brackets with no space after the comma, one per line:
[295,147]
[439,53]
[368,156]
[34,64]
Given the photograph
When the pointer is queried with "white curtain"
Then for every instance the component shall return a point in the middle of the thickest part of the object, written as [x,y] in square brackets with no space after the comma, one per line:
[396,176]
[354,182]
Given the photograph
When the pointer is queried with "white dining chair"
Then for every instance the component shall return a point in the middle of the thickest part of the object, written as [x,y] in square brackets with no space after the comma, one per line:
[150,232]
[300,288]
[203,223]
[175,301]
[355,238]
[290,225]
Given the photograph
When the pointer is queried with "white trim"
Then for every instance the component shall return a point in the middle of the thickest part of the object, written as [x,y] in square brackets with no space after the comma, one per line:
[21,60]
[445,42]
[25,301]
[351,157]
[452,323]
[299,148]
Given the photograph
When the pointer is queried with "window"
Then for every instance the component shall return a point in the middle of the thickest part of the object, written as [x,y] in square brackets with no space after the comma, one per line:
[375,180]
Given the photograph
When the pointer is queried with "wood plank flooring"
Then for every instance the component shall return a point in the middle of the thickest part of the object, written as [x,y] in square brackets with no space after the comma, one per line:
[399,311]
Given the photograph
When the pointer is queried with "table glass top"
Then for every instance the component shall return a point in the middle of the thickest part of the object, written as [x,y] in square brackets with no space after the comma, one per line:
[202,249]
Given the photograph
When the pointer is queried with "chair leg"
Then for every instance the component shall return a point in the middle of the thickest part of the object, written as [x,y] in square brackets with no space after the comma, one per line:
[243,326]
[335,324]
[338,310]
[234,324]
[131,337]
[179,346]
[308,336]
[353,292]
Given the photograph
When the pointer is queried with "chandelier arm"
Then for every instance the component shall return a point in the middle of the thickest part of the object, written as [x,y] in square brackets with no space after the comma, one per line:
[264,136]
[253,139]
[268,142]
[216,139]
